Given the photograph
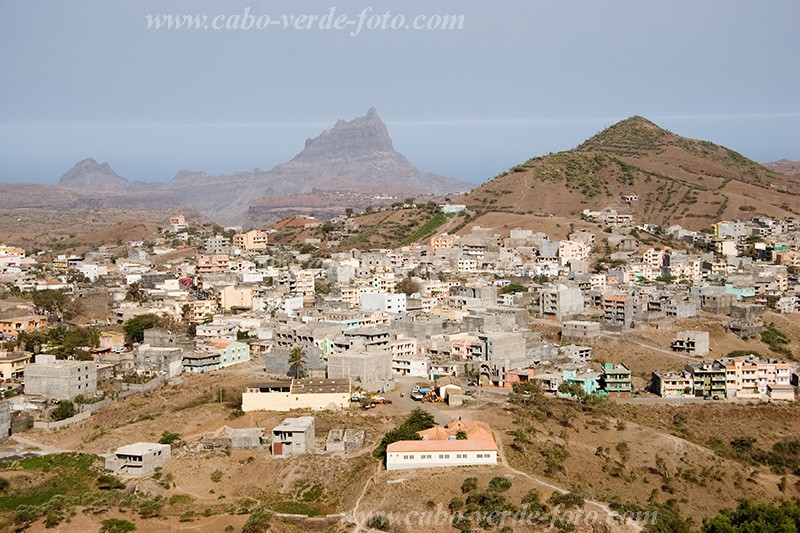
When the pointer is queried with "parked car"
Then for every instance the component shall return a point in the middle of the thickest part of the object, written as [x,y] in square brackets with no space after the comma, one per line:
[716,397]
[707,397]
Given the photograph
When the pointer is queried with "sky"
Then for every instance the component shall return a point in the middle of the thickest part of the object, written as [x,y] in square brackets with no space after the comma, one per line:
[88,78]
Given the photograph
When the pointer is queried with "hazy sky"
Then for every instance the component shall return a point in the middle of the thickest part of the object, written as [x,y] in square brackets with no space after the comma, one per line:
[88,79]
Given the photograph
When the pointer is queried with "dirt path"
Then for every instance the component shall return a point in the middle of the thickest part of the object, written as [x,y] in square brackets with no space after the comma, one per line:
[354,515]
[629,525]
[43,447]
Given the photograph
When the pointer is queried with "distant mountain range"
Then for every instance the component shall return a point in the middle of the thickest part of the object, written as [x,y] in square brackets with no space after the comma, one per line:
[352,157]
[676,180]
[784,166]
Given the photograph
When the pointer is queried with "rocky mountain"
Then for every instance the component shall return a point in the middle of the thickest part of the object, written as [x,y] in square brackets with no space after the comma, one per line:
[784,166]
[676,180]
[356,157]
[93,176]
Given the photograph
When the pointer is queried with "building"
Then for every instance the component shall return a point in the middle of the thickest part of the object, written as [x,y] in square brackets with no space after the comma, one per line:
[139,459]
[210,264]
[369,369]
[672,384]
[709,378]
[12,366]
[691,342]
[441,447]
[11,327]
[580,331]
[230,353]
[149,359]
[618,312]
[177,223]
[616,380]
[294,436]
[251,240]
[315,394]
[60,379]
[561,301]
[384,302]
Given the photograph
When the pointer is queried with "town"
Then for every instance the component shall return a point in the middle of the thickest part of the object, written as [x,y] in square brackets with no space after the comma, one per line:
[616,311]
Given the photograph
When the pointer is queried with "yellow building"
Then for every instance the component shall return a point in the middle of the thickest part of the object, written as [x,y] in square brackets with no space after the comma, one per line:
[251,240]
[12,366]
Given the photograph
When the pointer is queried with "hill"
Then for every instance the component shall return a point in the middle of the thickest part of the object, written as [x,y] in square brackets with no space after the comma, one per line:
[91,175]
[678,180]
[784,166]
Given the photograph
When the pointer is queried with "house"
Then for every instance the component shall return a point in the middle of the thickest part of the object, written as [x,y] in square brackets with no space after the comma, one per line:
[709,378]
[580,331]
[60,379]
[691,342]
[344,440]
[672,384]
[616,380]
[315,394]
[12,366]
[139,459]
[294,436]
[11,327]
[441,447]
[251,240]
[234,438]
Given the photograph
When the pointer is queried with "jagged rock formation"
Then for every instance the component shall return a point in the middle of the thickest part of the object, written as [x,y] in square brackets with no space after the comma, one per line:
[91,175]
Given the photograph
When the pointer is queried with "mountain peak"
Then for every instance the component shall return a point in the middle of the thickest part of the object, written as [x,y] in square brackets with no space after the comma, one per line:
[634,135]
[362,135]
[89,174]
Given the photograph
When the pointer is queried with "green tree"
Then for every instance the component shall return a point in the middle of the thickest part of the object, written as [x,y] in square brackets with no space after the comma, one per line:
[64,410]
[258,521]
[461,435]
[750,517]
[135,293]
[55,304]
[297,362]
[512,288]
[134,327]
[169,437]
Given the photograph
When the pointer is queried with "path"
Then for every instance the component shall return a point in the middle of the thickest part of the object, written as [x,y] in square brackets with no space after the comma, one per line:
[630,525]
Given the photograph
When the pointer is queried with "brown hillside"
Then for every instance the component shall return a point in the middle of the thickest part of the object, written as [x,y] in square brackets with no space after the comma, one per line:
[678,180]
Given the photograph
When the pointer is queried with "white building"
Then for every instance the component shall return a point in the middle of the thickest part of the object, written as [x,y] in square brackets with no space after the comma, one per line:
[385,302]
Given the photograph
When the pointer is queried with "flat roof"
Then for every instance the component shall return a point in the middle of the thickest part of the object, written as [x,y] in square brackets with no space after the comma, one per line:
[140,448]
[311,386]
[441,446]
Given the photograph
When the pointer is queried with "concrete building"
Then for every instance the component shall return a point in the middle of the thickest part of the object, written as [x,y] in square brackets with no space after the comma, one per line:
[344,440]
[251,240]
[157,360]
[709,378]
[561,301]
[368,369]
[440,448]
[60,379]
[616,380]
[12,366]
[383,302]
[294,436]
[672,384]
[315,394]
[139,459]
[580,331]
[691,342]
[618,312]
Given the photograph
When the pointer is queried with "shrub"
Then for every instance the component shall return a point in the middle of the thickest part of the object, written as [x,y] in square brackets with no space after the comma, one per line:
[109,482]
[469,484]
[379,521]
[116,525]
[258,522]
[169,437]
[216,476]
[568,500]
[499,484]
[64,410]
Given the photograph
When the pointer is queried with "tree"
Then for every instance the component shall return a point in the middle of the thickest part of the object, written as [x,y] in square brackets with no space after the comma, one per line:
[65,409]
[749,516]
[408,286]
[169,437]
[135,293]
[461,435]
[297,362]
[134,327]
[116,525]
[573,390]
[258,522]
[512,288]
[55,304]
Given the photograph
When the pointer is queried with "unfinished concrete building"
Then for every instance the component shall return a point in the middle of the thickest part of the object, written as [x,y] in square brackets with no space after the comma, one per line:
[58,379]
[139,459]
[691,342]
[368,369]
[344,440]
[580,331]
[294,436]
[561,301]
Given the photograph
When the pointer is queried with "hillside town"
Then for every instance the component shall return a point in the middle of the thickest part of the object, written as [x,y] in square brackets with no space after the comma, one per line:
[458,307]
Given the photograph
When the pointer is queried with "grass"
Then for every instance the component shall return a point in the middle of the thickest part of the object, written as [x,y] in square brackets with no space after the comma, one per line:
[429,227]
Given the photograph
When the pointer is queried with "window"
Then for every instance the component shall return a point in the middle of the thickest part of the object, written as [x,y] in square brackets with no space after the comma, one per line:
[444,456]
[408,457]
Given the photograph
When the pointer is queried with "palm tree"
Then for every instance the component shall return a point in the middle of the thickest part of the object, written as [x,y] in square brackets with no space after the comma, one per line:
[297,362]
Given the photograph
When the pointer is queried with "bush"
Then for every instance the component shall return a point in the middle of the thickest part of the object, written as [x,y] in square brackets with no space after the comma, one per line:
[169,437]
[499,484]
[108,482]
[469,484]
[64,410]
[116,525]
[379,521]
[568,500]
[4,484]
[216,476]
[258,522]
